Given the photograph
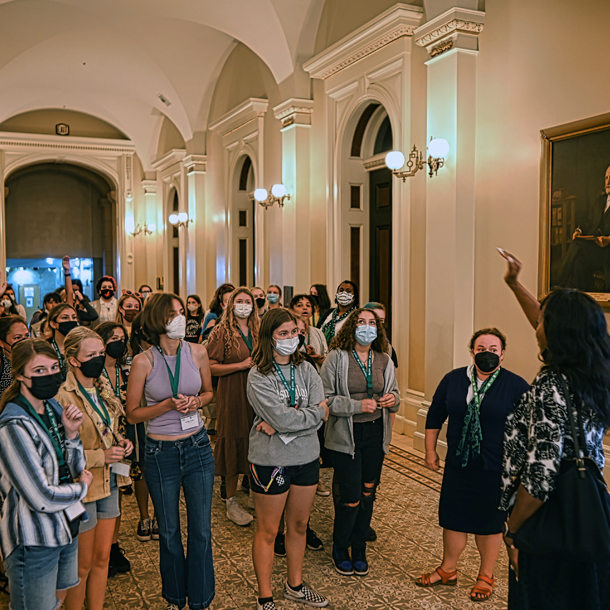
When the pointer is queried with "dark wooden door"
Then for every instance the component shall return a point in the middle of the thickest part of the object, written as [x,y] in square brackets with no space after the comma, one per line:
[380,281]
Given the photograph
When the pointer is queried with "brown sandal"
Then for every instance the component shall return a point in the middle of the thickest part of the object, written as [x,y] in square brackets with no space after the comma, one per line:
[486,593]
[447,579]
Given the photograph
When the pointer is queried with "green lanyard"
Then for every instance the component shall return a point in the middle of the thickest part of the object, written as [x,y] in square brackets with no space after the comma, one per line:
[174,378]
[105,416]
[476,397]
[292,388]
[54,433]
[368,373]
[247,341]
[117,390]
[60,357]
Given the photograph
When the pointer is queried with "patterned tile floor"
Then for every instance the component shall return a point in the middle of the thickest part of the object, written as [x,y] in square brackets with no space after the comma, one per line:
[409,542]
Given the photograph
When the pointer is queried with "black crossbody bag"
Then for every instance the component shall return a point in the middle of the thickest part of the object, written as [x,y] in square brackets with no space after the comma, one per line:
[575,522]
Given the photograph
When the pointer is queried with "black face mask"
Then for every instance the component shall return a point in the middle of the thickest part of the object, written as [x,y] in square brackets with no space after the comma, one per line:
[260,303]
[487,361]
[107,294]
[45,386]
[301,341]
[93,368]
[65,327]
[115,349]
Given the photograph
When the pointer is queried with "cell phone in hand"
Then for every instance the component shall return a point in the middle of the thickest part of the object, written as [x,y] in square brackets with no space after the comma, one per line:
[505,255]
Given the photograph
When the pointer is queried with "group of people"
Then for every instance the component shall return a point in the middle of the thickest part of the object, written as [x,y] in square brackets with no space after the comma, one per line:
[110,397]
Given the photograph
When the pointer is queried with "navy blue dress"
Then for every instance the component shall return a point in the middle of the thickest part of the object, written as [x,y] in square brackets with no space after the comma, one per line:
[470,496]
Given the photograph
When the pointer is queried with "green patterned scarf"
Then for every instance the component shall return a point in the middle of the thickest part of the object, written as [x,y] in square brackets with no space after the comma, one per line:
[472,436]
[328,328]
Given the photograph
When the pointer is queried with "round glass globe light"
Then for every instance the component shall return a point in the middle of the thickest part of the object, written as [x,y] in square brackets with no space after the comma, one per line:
[278,190]
[260,194]
[183,217]
[173,218]
[438,147]
[395,159]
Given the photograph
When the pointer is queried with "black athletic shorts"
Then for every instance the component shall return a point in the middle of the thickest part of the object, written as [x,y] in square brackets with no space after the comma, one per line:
[283,477]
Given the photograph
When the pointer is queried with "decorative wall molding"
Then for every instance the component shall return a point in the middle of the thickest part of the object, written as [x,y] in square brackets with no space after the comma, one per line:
[12,141]
[239,116]
[294,111]
[195,164]
[150,187]
[397,22]
[443,33]
[171,158]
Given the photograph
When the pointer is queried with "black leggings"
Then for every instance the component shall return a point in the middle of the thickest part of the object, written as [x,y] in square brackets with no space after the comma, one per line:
[352,523]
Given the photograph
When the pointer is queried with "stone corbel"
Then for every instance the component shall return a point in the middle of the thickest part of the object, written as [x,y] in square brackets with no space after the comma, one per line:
[150,187]
[195,164]
[457,28]
[294,112]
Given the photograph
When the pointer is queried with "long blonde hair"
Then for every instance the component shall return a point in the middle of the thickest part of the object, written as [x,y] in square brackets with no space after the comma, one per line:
[228,322]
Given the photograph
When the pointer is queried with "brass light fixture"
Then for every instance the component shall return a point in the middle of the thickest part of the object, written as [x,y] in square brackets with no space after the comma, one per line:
[437,151]
[147,228]
[180,220]
[278,195]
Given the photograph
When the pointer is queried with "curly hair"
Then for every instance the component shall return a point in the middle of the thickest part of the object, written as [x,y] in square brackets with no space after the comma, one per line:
[346,337]
[228,322]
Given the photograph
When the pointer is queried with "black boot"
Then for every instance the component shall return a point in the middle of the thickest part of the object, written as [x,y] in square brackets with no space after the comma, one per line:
[118,559]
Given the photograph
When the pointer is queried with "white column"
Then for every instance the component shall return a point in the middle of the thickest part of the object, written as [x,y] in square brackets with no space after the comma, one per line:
[452,41]
[2,219]
[295,115]
[152,241]
[125,220]
[195,166]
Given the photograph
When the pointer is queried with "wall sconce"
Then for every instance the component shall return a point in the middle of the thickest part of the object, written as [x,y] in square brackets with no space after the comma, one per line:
[278,193]
[147,228]
[180,220]
[437,151]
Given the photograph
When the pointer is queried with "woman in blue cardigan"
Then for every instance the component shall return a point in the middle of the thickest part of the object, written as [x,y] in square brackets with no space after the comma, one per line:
[476,400]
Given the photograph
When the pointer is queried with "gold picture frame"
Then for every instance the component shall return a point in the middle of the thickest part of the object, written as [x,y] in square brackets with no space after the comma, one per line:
[557,220]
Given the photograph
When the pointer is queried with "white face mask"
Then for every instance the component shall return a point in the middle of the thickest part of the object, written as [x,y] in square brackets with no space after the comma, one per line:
[176,328]
[5,303]
[193,307]
[286,347]
[242,310]
[344,298]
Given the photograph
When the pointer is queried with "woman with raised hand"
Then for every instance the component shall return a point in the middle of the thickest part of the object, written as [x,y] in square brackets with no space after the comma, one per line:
[61,321]
[360,385]
[477,400]
[105,450]
[287,396]
[43,481]
[230,347]
[174,377]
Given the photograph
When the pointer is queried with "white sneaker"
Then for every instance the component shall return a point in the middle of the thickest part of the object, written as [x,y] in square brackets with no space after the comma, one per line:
[306,596]
[266,606]
[237,514]
[322,490]
[251,500]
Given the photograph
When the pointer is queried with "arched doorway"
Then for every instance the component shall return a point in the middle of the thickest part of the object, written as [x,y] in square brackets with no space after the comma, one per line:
[367,206]
[54,209]
[243,224]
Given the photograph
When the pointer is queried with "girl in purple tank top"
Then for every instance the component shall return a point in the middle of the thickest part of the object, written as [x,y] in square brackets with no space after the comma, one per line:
[174,376]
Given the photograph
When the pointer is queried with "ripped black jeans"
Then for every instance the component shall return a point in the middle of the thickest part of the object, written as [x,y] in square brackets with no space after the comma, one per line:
[353,476]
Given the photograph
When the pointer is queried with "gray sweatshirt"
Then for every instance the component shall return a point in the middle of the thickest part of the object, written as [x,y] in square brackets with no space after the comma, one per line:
[339,431]
[271,403]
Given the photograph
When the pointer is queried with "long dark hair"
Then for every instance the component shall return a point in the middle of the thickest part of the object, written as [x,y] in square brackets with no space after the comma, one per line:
[322,300]
[199,313]
[216,302]
[263,354]
[578,346]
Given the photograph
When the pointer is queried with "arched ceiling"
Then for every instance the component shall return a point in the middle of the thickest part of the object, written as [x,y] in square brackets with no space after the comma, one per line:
[113,58]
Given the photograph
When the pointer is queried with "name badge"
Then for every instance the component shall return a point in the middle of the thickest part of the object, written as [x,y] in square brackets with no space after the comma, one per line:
[74,510]
[190,422]
[120,468]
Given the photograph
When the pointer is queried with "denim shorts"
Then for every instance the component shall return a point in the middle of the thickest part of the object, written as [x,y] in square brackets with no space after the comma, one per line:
[35,573]
[106,508]
[305,475]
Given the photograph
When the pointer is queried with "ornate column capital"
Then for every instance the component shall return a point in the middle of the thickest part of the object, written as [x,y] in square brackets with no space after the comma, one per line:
[457,28]
[294,111]
[195,164]
[150,187]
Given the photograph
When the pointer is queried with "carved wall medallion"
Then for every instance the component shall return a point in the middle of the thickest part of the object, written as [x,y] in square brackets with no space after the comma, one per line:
[441,48]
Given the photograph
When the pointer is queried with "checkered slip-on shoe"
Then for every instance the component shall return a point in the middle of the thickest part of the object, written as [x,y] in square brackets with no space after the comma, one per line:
[266,606]
[305,596]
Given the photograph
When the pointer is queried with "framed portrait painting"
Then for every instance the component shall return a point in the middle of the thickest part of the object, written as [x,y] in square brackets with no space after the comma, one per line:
[575,208]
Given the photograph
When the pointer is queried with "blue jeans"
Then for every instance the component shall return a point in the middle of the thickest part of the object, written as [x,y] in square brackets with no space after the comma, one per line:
[35,573]
[169,465]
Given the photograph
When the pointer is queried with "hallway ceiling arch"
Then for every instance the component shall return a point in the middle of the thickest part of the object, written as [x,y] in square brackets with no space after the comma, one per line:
[113,59]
